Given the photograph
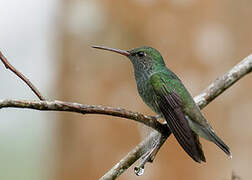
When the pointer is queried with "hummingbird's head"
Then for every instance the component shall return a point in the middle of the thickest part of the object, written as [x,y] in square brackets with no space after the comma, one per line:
[146,56]
[142,58]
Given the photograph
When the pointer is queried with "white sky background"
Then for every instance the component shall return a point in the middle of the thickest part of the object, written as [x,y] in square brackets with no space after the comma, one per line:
[27,37]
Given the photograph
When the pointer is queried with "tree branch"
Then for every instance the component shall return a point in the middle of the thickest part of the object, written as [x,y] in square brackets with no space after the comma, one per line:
[85,109]
[224,82]
[149,146]
[20,75]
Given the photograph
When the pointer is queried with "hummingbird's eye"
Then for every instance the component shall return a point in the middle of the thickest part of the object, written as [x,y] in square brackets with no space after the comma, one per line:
[141,54]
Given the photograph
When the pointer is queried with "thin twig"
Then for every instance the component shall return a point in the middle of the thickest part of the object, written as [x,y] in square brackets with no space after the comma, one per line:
[20,75]
[131,157]
[150,155]
[234,176]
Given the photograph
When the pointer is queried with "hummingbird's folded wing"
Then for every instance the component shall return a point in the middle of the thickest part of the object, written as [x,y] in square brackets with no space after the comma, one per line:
[171,106]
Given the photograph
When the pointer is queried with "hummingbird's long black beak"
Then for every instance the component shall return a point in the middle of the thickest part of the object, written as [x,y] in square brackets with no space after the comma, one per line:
[119,51]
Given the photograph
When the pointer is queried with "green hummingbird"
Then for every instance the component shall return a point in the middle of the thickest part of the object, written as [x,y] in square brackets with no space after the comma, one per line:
[166,95]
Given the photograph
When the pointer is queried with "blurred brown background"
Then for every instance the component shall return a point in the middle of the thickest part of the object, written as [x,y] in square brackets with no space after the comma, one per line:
[199,40]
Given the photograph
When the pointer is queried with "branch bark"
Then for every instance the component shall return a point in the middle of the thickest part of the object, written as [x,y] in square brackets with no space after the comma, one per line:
[159,136]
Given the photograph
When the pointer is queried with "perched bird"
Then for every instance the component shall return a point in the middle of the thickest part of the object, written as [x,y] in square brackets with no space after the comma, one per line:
[166,95]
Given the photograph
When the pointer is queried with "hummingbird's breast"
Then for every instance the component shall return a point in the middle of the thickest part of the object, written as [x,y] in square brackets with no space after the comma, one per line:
[146,91]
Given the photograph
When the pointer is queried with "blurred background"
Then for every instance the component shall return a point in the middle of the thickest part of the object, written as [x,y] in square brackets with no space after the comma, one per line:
[49,41]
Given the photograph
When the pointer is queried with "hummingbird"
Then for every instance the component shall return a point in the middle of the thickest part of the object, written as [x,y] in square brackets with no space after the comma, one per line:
[166,95]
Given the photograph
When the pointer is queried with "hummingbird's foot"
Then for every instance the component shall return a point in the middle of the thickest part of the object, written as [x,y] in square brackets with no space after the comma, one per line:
[147,157]
[150,154]
[160,119]
[158,116]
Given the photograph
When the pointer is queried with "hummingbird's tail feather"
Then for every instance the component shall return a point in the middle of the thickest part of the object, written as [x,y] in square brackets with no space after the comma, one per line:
[209,134]
[199,147]
[219,142]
